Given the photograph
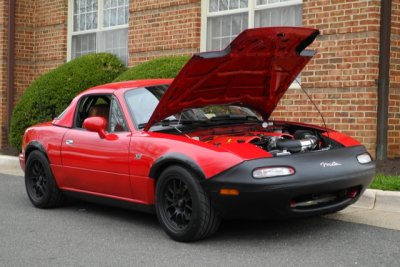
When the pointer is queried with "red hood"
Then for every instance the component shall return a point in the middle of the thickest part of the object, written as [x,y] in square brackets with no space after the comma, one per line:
[254,71]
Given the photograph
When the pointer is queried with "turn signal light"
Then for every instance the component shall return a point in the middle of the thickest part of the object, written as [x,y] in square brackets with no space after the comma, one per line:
[268,172]
[228,192]
[364,158]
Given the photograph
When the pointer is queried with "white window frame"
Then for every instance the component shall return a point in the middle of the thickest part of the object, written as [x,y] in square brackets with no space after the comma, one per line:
[100,28]
[251,9]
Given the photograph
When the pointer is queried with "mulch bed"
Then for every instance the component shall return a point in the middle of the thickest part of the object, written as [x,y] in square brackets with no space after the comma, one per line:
[388,167]
[9,151]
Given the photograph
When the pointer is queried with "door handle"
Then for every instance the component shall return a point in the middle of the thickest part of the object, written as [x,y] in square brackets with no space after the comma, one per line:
[69,142]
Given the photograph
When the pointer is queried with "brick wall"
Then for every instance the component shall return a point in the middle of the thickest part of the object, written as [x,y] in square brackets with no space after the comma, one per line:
[162,28]
[40,45]
[50,34]
[394,99]
[41,39]
[3,70]
[24,45]
[341,79]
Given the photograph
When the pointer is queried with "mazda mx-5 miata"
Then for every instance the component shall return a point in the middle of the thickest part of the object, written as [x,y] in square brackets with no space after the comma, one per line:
[200,147]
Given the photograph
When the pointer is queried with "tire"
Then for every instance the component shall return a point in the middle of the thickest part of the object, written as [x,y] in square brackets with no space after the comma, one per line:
[183,208]
[39,182]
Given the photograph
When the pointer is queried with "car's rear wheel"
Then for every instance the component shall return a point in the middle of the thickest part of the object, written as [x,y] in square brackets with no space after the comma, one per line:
[183,208]
[39,182]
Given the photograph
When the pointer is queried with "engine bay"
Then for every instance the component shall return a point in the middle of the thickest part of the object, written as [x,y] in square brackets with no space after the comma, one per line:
[278,139]
[278,144]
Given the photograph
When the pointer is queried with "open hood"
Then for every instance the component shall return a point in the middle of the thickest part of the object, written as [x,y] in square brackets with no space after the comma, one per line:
[254,71]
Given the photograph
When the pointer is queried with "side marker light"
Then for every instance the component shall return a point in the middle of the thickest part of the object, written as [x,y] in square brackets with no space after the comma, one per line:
[228,192]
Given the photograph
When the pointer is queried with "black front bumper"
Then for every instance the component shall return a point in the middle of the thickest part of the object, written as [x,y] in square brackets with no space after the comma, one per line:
[312,190]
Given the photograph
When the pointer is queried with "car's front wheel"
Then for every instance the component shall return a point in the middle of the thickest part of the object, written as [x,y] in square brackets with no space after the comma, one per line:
[183,208]
[39,182]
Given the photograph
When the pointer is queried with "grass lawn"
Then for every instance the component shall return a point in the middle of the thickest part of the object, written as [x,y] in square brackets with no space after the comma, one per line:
[386,182]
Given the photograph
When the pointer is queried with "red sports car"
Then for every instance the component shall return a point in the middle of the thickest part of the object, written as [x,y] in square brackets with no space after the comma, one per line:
[201,147]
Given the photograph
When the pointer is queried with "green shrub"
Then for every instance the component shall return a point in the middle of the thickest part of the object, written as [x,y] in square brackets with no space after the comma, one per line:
[51,93]
[166,67]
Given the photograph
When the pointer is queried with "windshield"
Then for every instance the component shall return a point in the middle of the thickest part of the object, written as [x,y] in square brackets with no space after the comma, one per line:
[143,101]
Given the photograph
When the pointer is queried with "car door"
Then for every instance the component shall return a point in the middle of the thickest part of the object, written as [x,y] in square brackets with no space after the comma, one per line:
[93,164]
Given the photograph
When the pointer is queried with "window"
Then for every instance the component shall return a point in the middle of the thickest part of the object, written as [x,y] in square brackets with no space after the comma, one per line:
[98,26]
[116,119]
[143,101]
[104,106]
[223,20]
[92,105]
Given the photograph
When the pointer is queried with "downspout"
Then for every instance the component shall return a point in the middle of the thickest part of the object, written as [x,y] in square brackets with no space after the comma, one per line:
[10,63]
[383,79]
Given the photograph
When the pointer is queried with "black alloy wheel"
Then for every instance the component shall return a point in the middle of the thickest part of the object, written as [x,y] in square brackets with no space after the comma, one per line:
[177,204]
[183,208]
[39,182]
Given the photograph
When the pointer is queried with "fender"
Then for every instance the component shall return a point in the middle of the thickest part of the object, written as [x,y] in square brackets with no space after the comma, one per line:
[175,158]
[35,145]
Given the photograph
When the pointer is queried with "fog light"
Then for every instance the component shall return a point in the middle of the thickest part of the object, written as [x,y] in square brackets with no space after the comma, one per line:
[268,172]
[364,158]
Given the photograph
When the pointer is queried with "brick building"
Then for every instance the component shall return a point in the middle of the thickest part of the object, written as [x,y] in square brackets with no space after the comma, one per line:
[342,78]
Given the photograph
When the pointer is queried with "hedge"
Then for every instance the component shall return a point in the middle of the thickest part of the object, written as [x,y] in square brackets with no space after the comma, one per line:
[51,93]
[166,67]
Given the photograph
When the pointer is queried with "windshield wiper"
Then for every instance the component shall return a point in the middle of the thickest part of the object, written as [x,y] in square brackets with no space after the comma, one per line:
[142,125]
[175,122]
[166,122]
[235,118]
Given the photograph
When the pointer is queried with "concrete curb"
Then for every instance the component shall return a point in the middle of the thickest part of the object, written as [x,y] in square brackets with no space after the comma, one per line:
[10,165]
[372,199]
[9,162]
[379,200]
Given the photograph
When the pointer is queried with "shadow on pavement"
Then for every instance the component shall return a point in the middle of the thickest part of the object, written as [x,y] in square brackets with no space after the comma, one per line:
[230,230]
